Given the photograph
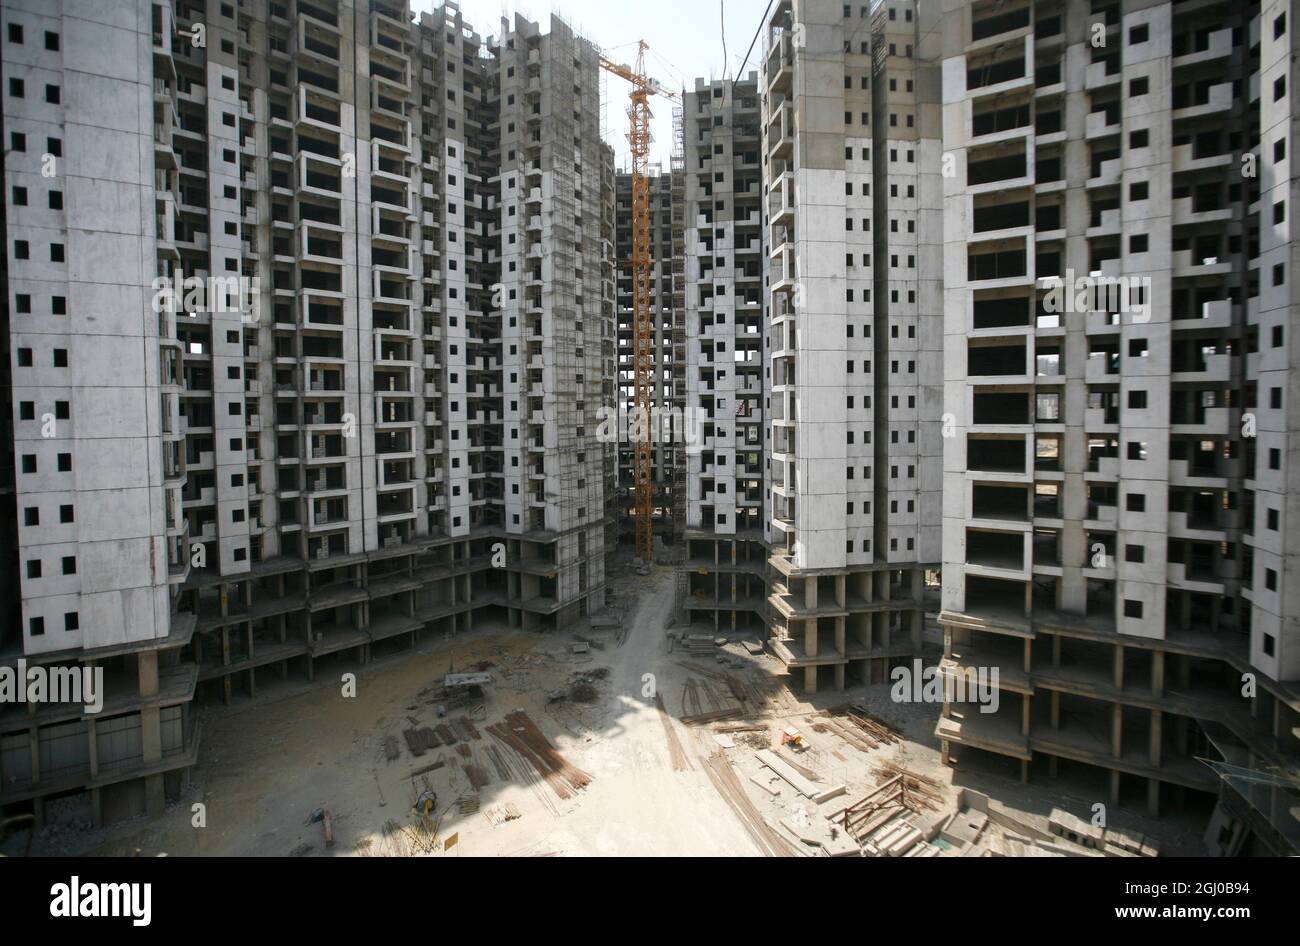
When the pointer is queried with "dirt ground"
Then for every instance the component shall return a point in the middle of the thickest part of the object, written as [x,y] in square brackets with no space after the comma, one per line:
[266,765]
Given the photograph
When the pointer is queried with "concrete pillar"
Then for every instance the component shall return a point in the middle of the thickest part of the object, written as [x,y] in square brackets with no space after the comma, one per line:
[1154,740]
[839,676]
[1116,729]
[146,665]
[1158,673]
[810,637]
[1114,787]
[1117,666]
[1026,705]
[1153,797]
[810,680]
[225,662]
[1056,709]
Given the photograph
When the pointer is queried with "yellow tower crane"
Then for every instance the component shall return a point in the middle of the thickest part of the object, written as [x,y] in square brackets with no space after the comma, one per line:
[638,137]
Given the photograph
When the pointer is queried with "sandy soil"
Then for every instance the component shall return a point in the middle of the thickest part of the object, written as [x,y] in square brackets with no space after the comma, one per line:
[267,764]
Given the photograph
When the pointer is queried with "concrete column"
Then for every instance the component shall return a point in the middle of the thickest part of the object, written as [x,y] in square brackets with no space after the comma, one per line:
[1153,797]
[1116,729]
[146,664]
[225,661]
[1114,786]
[1117,666]
[839,676]
[810,680]
[1056,709]
[1157,727]
[810,637]
[1025,713]
[1158,673]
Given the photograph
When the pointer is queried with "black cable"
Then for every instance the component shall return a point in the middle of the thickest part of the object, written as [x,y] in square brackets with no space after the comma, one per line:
[761,23]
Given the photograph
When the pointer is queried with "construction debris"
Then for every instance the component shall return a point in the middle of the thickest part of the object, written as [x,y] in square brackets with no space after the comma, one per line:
[520,733]
[676,754]
[724,779]
[498,815]
[712,716]
[798,782]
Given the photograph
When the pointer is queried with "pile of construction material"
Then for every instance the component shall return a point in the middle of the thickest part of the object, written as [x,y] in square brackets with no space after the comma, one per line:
[1109,841]
[521,734]
[984,827]
[891,820]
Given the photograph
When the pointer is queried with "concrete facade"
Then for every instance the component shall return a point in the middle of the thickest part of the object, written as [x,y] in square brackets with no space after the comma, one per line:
[725,584]
[853,502]
[95,535]
[390,428]
[1115,484]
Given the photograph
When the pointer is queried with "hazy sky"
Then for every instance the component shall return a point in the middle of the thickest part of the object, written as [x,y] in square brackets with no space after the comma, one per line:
[685,39]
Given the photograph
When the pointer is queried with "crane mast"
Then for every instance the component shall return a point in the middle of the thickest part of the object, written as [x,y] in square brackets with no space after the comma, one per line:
[643,366]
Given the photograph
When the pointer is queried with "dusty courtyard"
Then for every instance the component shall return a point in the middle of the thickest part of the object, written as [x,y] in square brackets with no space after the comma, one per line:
[268,764]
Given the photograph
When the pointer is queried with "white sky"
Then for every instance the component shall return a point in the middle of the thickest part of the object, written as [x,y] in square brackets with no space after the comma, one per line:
[685,39]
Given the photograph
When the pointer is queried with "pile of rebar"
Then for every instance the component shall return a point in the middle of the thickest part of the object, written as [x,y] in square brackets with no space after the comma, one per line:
[724,779]
[924,791]
[676,754]
[520,733]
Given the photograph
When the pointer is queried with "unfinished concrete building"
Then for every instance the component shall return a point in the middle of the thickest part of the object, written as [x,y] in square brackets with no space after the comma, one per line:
[668,343]
[1115,511]
[95,537]
[852,500]
[725,562]
[404,234]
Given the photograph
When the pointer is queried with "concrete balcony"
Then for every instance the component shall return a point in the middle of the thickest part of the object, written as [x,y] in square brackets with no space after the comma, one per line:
[1179,577]
[1216,314]
[780,133]
[1219,100]
[783,273]
[1099,75]
[1217,422]
[1101,368]
[1216,369]
[1218,45]
[1109,224]
[1184,264]
[1183,159]
[1100,124]
[779,67]
[1183,213]
[1108,173]
[781,202]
